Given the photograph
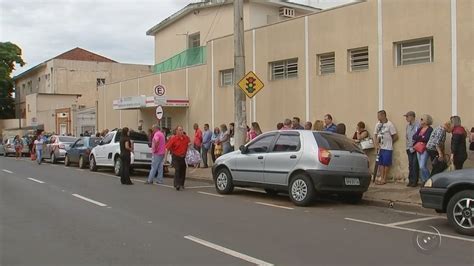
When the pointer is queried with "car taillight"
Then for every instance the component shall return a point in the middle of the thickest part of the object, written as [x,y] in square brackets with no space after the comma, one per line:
[61,146]
[324,156]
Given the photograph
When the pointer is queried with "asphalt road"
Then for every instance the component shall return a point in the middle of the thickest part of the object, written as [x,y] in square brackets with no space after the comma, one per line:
[54,215]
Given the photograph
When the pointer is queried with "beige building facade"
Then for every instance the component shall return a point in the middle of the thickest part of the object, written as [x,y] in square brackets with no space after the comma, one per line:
[68,81]
[349,61]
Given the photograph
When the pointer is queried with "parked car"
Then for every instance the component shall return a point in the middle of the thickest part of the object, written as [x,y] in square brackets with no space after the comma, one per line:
[56,147]
[9,148]
[107,153]
[2,147]
[80,150]
[301,163]
[452,192]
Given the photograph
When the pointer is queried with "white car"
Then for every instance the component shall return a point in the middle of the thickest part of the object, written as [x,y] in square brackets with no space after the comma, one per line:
[107,153]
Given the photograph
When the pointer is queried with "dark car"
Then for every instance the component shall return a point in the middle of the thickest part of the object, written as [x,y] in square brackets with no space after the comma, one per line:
[80,150]
[452,192]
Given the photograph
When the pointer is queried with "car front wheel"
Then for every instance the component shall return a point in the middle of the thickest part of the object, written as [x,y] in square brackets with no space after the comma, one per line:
[223,181]
[118,166]
[92,164]
[67,162]
[301,190]
[460,212]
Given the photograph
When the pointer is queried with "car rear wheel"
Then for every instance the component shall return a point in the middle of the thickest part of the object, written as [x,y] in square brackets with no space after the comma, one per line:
[301,190]
[82,164]
[53,158]
[66,161]
[460,212]
[118,166]
[92,164]
[223,181]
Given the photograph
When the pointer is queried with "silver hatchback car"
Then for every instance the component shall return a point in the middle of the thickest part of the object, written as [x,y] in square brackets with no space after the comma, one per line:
[298,162]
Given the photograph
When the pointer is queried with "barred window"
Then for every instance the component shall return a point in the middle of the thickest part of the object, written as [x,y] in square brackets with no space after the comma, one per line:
[327,63]
[414,51]
[359,59]
[227,77]
[194,40]
[284,69]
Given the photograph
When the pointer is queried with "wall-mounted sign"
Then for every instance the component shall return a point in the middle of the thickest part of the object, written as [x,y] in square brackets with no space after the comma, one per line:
[131,102]
[160,90]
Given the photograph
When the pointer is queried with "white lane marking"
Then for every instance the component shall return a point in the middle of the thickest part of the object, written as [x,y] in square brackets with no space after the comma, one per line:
[90,200]
[227,251]
[210,194]
[54,165]
[137,180]
[35,180]
[416,220]
[7,171]
[163,185]
[199,187]
[273,205]
[410,229]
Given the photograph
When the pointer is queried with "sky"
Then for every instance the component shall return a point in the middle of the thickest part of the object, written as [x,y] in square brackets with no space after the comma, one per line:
[115,29]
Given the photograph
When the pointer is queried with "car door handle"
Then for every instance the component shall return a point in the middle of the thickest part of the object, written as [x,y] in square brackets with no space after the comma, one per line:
[293,157]
[260,157]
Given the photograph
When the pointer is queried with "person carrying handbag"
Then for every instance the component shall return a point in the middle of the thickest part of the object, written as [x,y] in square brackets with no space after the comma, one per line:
[420,139]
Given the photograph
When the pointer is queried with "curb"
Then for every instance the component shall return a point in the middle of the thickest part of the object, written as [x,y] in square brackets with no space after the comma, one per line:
[398,205]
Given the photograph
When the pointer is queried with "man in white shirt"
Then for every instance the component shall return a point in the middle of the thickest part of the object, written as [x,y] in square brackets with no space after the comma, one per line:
[385,135]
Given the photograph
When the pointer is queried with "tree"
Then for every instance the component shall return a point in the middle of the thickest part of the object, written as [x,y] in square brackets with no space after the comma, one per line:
[10,55]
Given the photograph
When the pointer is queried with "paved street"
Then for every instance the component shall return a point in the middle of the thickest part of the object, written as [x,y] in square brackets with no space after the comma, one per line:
[55,215]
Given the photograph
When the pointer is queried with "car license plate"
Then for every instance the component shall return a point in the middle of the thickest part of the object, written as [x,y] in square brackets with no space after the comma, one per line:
[352,181]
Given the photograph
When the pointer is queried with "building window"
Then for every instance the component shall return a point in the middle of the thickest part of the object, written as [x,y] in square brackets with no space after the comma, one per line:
[359,59]
[227,77]
[165,122]
[100,82]
[327,63]
[284,69]
[194,40]
[414,51]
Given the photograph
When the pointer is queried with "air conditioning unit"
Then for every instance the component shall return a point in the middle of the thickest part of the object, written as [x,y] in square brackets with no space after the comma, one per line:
[287,12]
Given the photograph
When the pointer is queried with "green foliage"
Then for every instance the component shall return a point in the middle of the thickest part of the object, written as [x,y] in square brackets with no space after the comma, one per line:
[10,55]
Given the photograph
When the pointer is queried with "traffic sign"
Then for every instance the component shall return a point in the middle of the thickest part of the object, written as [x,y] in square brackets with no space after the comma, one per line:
[159,112]
[160,90]
[250,84]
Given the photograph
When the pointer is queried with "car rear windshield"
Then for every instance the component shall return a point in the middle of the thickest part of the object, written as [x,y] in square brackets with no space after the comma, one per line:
[135,136]
[67,139]
[337,142]
[94,142]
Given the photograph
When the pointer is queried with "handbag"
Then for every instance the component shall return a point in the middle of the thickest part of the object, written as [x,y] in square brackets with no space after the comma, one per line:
[367,144]
[420,147]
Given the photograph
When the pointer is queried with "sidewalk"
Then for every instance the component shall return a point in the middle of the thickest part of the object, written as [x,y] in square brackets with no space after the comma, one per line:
[395,193]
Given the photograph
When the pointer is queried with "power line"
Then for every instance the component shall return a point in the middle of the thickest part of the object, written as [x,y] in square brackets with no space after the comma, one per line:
[213,21]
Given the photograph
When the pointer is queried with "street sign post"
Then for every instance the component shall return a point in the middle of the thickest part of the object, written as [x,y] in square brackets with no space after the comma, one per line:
[250,84]
[160,90]
[159,112]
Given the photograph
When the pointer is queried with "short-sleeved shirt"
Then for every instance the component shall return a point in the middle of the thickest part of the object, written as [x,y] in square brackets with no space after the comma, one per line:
[158,143]
[39,144]
[198,137]
[384,132]
[178,145]
[437,139]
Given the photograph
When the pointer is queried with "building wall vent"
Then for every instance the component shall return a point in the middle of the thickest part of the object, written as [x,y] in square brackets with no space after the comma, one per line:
[287,12]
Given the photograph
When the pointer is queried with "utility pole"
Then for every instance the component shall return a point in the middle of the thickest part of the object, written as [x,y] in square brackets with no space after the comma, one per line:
[240,113]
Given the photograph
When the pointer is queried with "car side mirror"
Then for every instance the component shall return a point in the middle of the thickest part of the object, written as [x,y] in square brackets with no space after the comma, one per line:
[243,149]
[101,143]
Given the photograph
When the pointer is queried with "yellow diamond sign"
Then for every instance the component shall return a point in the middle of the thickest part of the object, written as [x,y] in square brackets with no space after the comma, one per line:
[251,84]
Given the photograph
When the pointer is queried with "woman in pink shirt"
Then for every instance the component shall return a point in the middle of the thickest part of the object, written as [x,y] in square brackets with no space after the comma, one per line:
[254,131]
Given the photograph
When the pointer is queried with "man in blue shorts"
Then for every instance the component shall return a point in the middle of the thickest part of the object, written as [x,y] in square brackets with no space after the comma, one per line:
[385,135]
